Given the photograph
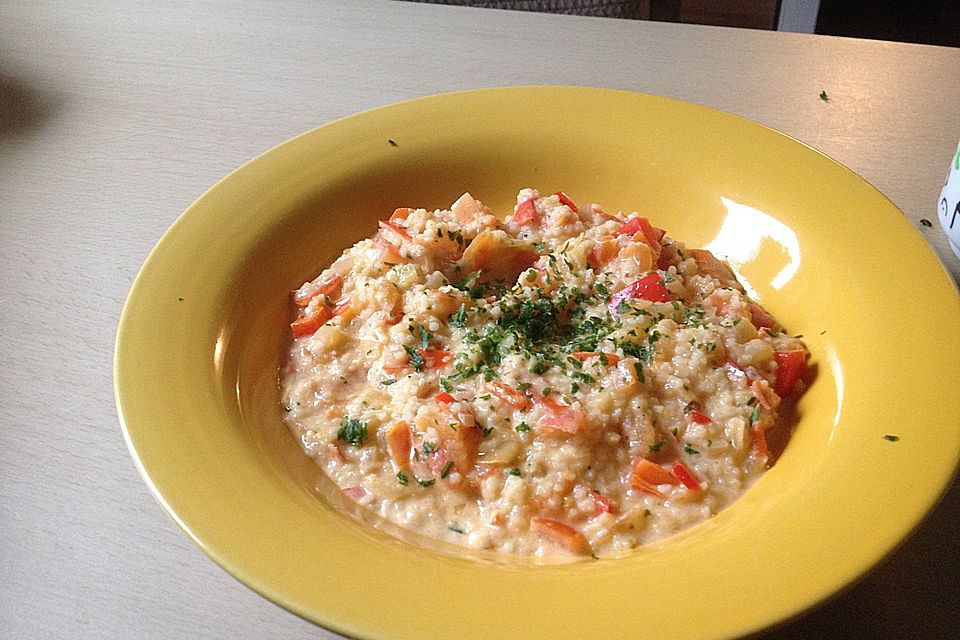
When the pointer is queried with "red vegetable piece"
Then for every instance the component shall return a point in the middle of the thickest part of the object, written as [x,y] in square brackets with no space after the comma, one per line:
[686,476]
[790,368]
[649,287]
[444,397]
[526,213]
[564,199]
[602,503]
[629,228]
[698,417]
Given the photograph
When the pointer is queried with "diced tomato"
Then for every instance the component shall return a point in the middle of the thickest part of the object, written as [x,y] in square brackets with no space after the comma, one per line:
[400,213]
[526,212]
[686,476]
[564,199]
[444,397]
[399,443]
[560,417]
[389,252]
[511,396]
[790,368]
[602,503]
[308,325]
[329,286]
[761,389]
[649,287]
[561,534]
[699,417]
[605,358]
[629,228]
[761,319]
[393,233]
[647,476]
[434,358]
[758,439]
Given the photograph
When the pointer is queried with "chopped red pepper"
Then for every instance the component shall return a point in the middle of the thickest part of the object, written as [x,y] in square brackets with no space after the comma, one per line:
[560,533]
[560,417]
[605,358]
[308,325]
[629,228]
[433,358]
[526,212]
[400,213]
[647,475]
[758,439]
[699,417]
[686,476]
[649,287]
[444,397]
[397,234]
[602,503]
[511,396]
[790,368]
[564,199]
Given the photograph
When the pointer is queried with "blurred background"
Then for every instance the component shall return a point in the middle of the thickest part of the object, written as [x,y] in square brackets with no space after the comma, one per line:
[920,21]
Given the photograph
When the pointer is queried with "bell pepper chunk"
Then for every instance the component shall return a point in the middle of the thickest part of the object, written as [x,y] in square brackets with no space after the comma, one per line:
[699,417]
[647,476]
[560,417]
[605,358]
[649,287]
[561,534]
[790,368]
[602,503]
[526,213]
[511,396]
[565,199]
[686,476]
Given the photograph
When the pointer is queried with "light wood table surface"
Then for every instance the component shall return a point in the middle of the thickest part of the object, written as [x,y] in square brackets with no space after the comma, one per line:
[115,116]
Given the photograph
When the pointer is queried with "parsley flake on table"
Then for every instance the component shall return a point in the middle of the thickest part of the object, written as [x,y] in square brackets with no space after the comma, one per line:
[824,96]
[926,222]
[891,438]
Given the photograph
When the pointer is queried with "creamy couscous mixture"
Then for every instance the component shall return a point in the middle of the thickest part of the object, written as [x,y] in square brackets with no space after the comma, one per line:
[565,382]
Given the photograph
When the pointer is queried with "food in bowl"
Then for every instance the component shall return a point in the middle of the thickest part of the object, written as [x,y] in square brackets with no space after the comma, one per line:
[564,382]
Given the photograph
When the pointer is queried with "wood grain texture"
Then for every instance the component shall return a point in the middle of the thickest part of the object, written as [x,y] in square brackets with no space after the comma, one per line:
[113,119]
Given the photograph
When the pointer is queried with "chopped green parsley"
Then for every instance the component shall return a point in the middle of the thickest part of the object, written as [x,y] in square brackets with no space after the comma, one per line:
[352,431]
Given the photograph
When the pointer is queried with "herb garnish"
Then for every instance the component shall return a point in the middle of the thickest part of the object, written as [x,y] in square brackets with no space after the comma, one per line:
[352,431]
[459,319]
[416,360]
[891,438]
[688,449]
[402,478]
[446,470]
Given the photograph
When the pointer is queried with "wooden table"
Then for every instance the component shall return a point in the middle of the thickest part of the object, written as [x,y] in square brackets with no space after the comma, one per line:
[113,119]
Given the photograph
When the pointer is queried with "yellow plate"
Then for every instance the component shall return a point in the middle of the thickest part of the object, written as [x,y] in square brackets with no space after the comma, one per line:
[204,329]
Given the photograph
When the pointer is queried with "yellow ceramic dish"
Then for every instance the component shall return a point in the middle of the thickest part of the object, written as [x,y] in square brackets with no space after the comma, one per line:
[203,333]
